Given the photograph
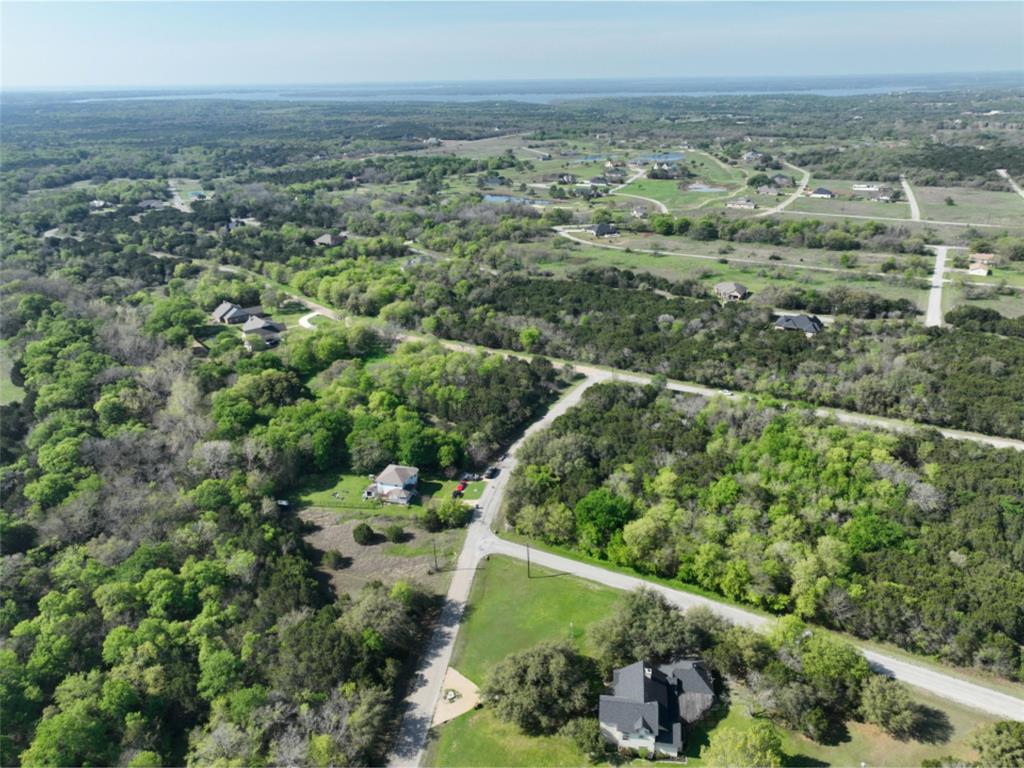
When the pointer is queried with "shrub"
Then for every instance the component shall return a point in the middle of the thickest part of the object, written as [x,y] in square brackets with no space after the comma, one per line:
[363,534]
[394,533]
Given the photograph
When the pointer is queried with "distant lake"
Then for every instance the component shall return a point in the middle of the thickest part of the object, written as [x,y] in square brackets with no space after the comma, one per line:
[513,199]
[662,157]
[551,91]
[704,188]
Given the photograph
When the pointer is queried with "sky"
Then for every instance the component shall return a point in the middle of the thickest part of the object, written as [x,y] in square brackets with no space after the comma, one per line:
[166,44]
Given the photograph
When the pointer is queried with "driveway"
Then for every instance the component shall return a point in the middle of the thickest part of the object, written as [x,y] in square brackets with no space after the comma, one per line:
[915,211]
[1006,175]
[804,181]
[934,314]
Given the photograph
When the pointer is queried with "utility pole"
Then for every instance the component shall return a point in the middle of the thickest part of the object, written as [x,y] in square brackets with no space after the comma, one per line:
[528,562]
[434,542]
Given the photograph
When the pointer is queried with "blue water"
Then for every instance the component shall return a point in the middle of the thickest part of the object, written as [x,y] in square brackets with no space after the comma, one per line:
[550,91]
[704,188]
[662,157]
[513,199]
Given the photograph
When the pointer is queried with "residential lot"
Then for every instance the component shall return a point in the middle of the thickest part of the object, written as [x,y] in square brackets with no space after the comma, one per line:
[508,611]
[977,206]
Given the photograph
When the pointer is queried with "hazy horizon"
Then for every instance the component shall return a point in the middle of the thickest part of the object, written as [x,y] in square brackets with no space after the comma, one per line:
[159,45]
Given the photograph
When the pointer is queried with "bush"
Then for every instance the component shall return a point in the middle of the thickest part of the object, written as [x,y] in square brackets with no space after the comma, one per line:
[334,560]
[394,533]
[887,704]
[363,534]
[585,733]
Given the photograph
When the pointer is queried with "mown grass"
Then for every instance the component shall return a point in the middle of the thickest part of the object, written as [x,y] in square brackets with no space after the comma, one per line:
[509,612]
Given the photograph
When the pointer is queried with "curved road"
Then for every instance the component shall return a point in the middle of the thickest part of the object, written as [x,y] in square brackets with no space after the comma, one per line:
[792,198]
[480,542]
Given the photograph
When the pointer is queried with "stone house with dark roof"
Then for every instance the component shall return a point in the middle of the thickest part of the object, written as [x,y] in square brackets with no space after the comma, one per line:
[650,706]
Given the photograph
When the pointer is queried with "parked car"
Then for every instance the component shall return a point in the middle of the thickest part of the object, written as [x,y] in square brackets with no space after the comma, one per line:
[491,473]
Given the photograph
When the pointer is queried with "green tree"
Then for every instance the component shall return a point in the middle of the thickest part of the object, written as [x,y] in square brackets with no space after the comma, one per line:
[542,688]
[756,747]
[1000,745]
[644,626]
[887,703]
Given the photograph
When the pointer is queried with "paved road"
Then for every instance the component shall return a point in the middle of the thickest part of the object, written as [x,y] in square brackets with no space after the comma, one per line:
[932,680]
[412,735]
[306,321]
[915,211]
[1006,175]
[804,181]
[480,542]
[934,315]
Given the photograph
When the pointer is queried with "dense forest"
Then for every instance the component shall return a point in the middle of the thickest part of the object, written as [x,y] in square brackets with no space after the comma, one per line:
[161,605]
[159,601]
[915,540]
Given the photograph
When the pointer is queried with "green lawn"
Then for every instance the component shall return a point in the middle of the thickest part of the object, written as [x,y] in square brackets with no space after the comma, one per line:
[667,191]
[509,612]
[9,391]
[977,206]
[344,492]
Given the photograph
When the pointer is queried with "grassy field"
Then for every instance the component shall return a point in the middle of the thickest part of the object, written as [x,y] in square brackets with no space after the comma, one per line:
[9,391]
[754,276]
[667,191]
[508,612]
[977,206]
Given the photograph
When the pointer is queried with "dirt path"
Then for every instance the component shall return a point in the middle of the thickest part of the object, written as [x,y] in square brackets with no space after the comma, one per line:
[915,211]
[1006,175]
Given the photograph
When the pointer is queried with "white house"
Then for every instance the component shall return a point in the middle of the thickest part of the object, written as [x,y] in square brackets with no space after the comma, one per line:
[865,187]
[741,202]
[396,484]
[823,193]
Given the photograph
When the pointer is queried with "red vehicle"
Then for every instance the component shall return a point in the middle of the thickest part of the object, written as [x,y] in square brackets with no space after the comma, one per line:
[460,487]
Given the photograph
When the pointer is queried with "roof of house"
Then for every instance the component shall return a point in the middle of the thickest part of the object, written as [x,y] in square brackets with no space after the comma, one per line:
[255,323]
[822,191]
[397,474]
[805,323]
[729,287]
[328,238]
[227,310]
[983,257]
[657,698]
[605,229]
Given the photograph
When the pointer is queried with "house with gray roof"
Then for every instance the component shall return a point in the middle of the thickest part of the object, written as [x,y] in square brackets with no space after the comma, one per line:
[650,706]
[730,291]
[329,240]
[396,484]
[229,313]
[809,325]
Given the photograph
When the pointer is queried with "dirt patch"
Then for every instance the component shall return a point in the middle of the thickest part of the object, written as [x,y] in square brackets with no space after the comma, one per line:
[458,695]
[354,565]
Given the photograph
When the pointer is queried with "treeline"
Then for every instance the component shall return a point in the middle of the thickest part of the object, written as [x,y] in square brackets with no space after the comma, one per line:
[985,319]
[949,378]
[908,539]
[838,300]
[802,233]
